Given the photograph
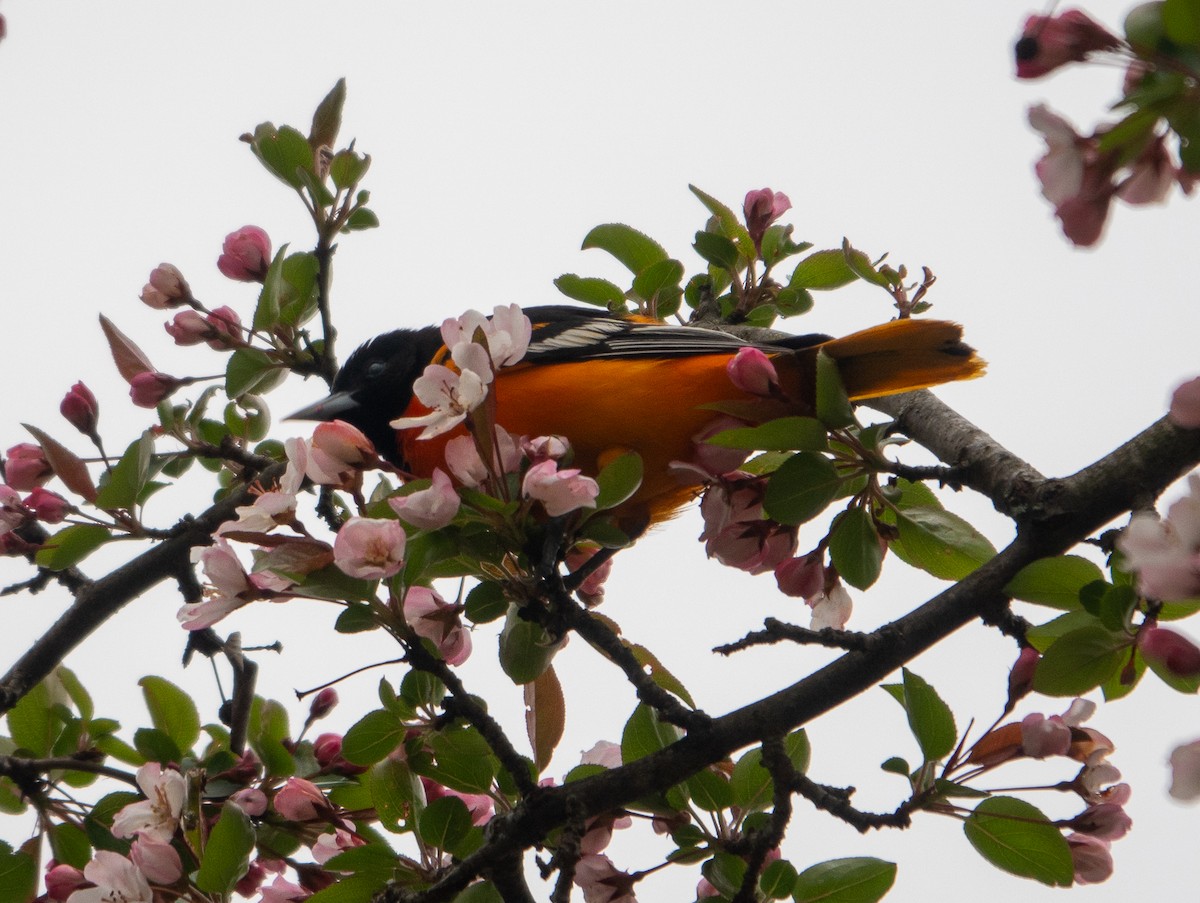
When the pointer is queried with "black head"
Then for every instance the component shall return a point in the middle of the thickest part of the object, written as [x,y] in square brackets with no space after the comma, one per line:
[374,387]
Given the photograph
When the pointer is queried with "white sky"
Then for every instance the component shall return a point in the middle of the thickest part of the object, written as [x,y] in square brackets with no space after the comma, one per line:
[501,133]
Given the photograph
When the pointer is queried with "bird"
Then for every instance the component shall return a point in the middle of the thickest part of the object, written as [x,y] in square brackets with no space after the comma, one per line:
[611,383]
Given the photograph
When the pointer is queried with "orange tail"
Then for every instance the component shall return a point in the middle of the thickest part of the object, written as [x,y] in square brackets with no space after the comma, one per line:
[901,356]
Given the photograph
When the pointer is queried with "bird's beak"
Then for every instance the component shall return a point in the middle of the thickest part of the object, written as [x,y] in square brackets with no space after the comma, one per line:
[332,407]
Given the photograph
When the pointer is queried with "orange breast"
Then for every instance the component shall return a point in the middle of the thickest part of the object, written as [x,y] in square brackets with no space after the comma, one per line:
[605,408]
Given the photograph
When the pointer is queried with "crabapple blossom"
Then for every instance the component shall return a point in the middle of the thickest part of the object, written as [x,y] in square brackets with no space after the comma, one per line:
[157,816]
[250,800]
[466,466]
[330,844]
[1091,857]
[761,208]
[13,513]
[335,454]
[1020,677]
[167,288]
[559,491]
[1049,42]
[369,548]
[1166,649]
[116,879]
[26,467]
[188,327]
[592,588]
[802,577]
[603,882]
[429,509]
[283,891]
[149,388]
[1165,554]
[301,800]
[245,254]
[448,395]
[480,806]
[48,507]
[1185,405]
[438,621]
[1185,771]
[506,333]
[752,371]
[159,861]
[831,608]
[61,881]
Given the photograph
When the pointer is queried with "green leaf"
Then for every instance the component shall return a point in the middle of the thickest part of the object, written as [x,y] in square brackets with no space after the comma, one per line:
[251,371]
[128,476]
[33,724]
[659,282]
[227,854]
[782,434]
[940,543]
[284,152]
[268,729]
[1055,582]
[619,480]
[822,271]
[709,791]
[462,760]
[480,892]
[360,220]
[69,845]
[1181,20]
[591,290]
[833,404]
[18,875]
[444,823]
[730,224]
[717,250]
[327,118]
[777,880]
[634,249]
[394,791]
[347,169]
[801,488]
[750,784]
[172,711]
[777,244]
[860,879]
[1016,837]
[156,745]
[526,648]
[645,734]
[659,674]
[485,603]
[372,737]
[1080,661]
[854,548]
[929,717]
[861,264]
[353,889]
[71,545]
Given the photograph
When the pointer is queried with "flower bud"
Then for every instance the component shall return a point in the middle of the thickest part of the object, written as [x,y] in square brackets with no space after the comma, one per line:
[26,467]
[1020,678]
[323,703]
[61,882]
[246,254]
[188,328]
[761,208]
[166,288]
[224,329]
[80,409]
[48,507]
[1168,650]
[148,389]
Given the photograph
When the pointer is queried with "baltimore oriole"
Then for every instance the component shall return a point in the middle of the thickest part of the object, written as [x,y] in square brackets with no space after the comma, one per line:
[612,384]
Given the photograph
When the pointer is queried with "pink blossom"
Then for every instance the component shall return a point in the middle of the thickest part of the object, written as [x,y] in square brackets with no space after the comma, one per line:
[270,510]
[831,608]
[323,703]
[1107,821]
[48,507]
[429,509]
[1042,737]
[116,879]
[283,891]
[1185,771]
[149,388]
[431,617]
[704,890]
[752,371]
[301,800]
[1075,177]
[592,588]
[26,467]
[1151,175]
[602,882]
[761,208]
[1185,405]
[330,844]
[1168,650]
[544,447]
[166,288]
[802,577]
[158,861]
[337,450]
[559,491]
[188,328]
[157,816]
[506,333]
[1049,42]
[603,752]
[713,461]
[598,831]
[250,800]
[737,533]
[480,806]
[449,397]
[1091,857]
[245,254]
[230,587]
[327,748]
[465,464]
[1165,554]
[369,548]
[1020,677]
[12,512]
[80,409]
[61,881]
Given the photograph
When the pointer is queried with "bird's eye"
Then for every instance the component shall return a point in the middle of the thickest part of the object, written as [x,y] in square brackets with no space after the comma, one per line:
[375,369]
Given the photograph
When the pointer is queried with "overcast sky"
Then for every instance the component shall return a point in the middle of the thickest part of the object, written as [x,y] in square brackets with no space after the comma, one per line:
[501,133]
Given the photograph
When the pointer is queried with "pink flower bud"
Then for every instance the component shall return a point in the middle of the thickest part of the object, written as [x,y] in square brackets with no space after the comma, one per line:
[559,491]
[592,588]
[480,805]
[148,389]
[802,577]
[225,329]
[300,800]
[429,509]
[1049,42]
[762,208]
[1168,650]
[80,409]
[327,748]
[1091,857]
[167,288]
[61,882]
[1042,737]
[431,617]
[1020,678]
[250,800]
[26,467]
[48,507]
[752,371]
[158,861]
[323,703]
[188,328]
[246,254]
[1185,405]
